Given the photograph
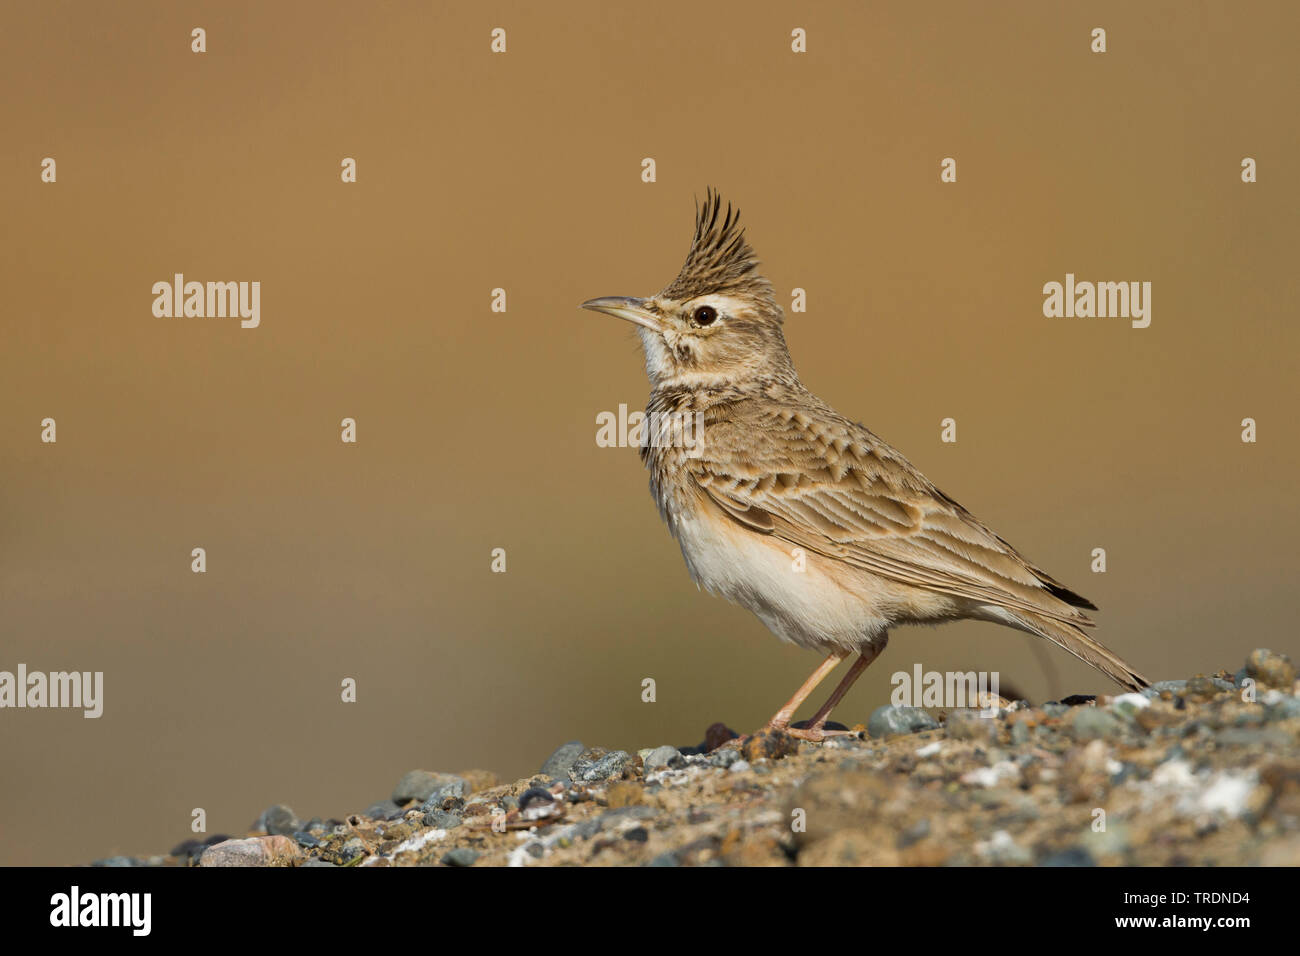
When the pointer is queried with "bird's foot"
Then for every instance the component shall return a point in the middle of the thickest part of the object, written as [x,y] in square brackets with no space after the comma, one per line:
[816,734]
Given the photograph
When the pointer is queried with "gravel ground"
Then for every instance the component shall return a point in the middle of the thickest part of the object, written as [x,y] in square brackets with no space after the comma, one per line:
[1204,771]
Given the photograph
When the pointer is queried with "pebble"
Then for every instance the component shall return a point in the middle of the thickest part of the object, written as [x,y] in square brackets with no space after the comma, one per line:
[345,853]
[591,769]
[535,797]
[461,856]
[441,820]
[889,719]
[1074,856]
[1092,723]
[558,764]
[769,744]
[724,758]
[383,810]
[254,851]
[662,757]
[1270,669]
[969,725]
[739,766]
[424,785]
[1001,848]
[279,820]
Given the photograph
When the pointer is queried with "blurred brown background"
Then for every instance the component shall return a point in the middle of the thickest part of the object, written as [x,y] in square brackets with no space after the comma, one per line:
[477,430]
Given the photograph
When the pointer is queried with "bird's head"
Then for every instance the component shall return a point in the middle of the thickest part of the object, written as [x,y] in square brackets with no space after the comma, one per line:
[718,320]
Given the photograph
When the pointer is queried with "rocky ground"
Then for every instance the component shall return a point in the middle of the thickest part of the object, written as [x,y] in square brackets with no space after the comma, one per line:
[1203,771]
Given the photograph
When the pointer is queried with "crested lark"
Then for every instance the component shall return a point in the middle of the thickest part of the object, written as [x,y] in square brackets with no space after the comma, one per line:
[776,470]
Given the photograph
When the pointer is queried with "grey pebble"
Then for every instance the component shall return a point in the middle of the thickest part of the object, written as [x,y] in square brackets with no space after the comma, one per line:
[587,770]
[462,856]
[1091,723]
[665,756]
[612,818]
[558,764]
[1074,856]
[889,719]
[424,785]
[383,810]
[441,819]
[279,820]
[723,758]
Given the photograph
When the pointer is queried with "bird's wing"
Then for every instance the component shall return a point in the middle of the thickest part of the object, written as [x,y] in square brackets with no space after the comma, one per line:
[830,486]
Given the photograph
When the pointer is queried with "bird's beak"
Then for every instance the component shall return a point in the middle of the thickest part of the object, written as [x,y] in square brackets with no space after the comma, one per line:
[634,310]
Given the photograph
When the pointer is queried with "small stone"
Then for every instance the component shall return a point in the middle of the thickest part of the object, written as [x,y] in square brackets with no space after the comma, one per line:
[1203,688]
[1130,705]
[1270,669]
[382,810]
[1001,848]
[425,785]
[724,758]
[1091,723]
[535,796]
[254,851]
[1284,708]
[590,768]
[739,766]
[189,851]
[612,819]
[662,757]
[462,856]
[770,744]
[303,838]
[441,820]
[970,725]
[637,835]
[558,764]
[347,853]
[1074,856]
[279,820]
[888,719]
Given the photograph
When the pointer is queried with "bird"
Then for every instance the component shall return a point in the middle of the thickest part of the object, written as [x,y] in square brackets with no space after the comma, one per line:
[789,509]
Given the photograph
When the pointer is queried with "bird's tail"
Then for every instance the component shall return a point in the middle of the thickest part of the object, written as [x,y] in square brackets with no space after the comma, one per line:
[1074,639]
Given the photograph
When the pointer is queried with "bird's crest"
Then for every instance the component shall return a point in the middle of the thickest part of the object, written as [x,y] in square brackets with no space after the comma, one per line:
[720,260]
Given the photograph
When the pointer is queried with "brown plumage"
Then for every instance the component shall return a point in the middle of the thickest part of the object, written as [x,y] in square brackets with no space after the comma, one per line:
[778,472]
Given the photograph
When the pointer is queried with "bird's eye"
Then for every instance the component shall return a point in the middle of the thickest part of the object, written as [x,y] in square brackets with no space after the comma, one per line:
[705,315]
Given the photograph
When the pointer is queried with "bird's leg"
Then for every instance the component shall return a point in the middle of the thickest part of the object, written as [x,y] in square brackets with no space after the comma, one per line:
[816,729]
[781,719]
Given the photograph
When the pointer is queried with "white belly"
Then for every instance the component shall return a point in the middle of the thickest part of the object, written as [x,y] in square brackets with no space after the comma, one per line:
[820,607]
